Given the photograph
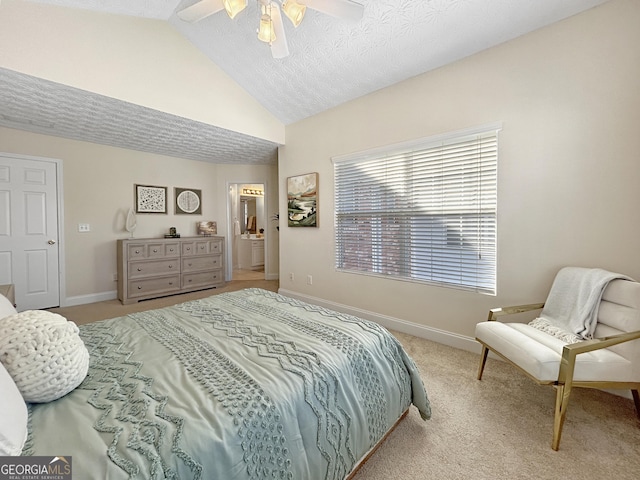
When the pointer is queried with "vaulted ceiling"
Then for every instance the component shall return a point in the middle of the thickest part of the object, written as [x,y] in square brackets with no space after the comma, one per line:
[331,61]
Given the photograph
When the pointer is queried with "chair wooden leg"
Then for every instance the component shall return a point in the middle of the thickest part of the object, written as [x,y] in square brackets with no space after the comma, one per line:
[483,361]
[636,400]
[562,402]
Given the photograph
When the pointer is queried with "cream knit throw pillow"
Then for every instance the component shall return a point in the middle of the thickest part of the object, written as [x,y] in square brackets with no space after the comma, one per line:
[43,353]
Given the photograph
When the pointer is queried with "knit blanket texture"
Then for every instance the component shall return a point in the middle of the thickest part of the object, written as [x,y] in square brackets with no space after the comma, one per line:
[571,309]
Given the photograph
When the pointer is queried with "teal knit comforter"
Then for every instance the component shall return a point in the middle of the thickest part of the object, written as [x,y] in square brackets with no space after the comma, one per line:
[241,385]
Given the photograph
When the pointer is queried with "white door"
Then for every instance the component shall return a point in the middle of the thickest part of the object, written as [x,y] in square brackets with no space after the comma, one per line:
[29,231]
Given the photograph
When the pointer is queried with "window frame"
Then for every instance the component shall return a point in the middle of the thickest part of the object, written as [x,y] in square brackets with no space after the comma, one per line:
[411,230]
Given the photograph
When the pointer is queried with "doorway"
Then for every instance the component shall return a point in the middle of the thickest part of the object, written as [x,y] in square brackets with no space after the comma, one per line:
[248,225]
[30,238]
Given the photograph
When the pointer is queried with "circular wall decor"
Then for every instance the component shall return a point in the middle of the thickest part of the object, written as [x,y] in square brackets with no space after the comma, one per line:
[188,201]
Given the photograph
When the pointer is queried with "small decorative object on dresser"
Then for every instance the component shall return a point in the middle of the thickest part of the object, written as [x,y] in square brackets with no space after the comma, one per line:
[207,228]
[173,233]
[155,267]
[131,223]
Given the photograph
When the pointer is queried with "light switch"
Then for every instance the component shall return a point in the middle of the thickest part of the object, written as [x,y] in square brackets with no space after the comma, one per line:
[84,227]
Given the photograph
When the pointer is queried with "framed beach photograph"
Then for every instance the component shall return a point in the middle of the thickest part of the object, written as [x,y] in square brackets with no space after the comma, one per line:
[150,199]
[302,200]
[188,201]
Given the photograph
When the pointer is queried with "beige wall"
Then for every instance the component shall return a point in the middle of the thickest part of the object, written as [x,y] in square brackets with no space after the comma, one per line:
[142,61]
[98,184]
[569,171]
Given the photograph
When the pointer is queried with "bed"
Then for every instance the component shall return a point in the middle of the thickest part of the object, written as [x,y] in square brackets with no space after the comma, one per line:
[240,385]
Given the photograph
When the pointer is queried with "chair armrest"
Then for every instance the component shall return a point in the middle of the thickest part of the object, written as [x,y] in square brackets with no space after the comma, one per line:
[494,313]
[570,351]
[598,343]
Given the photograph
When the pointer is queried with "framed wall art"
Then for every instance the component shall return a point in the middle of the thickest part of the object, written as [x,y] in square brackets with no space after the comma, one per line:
[302,200]
[188,201]
[150,199]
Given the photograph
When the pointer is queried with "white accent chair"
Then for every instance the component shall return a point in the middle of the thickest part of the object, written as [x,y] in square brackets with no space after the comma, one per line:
[610,361]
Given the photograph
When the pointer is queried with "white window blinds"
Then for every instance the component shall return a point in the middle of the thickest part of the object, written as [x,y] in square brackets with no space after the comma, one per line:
[424,211]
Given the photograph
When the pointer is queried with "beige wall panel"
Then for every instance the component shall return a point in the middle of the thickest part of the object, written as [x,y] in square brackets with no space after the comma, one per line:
[568,167]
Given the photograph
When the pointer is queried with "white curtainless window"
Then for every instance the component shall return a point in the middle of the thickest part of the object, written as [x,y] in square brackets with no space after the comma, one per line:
[422,211]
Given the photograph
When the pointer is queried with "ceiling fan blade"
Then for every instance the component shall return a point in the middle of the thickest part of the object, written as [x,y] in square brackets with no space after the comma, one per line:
[279,47]
[200,10]
[343,9]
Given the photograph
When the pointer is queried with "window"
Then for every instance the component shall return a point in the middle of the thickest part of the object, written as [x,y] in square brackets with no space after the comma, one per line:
[422,211]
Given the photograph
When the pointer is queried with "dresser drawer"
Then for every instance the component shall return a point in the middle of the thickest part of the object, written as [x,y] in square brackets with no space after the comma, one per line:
[153,250]
[188,248]
[202,279]
[215,246]
[172,250]
[153,268]
[153,286]
[136,251]
[196,264]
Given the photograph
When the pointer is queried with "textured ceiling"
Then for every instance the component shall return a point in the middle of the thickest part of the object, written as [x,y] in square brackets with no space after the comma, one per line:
[331,62]
[41,106]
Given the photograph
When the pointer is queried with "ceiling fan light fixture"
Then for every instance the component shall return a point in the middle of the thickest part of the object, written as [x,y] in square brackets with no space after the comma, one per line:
[294,11]
[266,32]
[234,7]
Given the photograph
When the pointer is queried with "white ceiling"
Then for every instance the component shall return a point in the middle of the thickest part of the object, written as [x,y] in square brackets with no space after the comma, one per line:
[331,61]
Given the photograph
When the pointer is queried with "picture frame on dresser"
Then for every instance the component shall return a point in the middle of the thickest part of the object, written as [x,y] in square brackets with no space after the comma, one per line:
[150,199]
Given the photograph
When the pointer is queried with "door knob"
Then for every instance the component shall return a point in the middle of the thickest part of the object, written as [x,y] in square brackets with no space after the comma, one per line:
[51,242]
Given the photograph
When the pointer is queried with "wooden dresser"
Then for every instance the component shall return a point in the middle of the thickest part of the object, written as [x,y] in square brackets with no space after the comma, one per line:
[154,267]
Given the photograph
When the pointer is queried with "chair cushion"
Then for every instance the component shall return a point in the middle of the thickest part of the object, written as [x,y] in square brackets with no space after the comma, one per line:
[539,354]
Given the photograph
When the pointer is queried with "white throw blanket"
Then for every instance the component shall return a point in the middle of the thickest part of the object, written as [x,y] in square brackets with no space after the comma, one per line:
[571,309]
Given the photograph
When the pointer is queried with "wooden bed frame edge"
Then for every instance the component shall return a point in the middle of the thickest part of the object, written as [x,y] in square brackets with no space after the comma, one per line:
[373,450]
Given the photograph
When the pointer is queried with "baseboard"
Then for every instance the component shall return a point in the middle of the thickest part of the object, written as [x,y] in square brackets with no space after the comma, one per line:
[272,276]
[428,333]
[92,298]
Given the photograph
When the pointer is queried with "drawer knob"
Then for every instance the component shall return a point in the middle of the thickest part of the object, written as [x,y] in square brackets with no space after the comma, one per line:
[188,248]
[139,288]
[155,250]
[171,249]
[139,269]
[202,247]
[189,264]
[137,251]
[170,266]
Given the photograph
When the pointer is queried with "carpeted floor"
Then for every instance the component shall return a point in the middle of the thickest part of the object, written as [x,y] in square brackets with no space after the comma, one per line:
[497,428]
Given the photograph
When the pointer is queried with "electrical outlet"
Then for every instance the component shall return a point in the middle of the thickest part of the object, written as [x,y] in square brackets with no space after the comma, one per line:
[291,276]
[309,280]
[115,277]
[84,227]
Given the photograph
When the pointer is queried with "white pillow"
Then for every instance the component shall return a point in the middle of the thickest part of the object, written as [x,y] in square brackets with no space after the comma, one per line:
[43,353]
[6,307]
[13,416]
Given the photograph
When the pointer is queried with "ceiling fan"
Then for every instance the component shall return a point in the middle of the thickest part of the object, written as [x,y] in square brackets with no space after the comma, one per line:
[271,28]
